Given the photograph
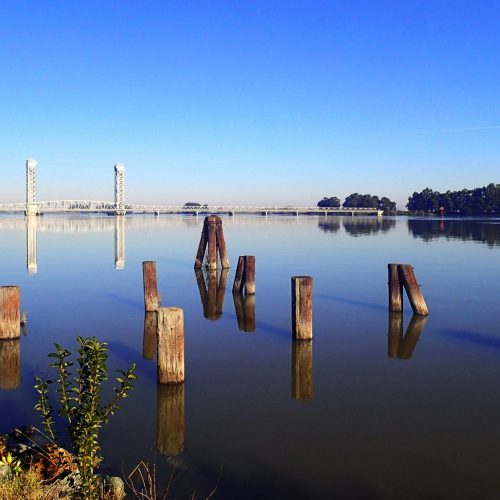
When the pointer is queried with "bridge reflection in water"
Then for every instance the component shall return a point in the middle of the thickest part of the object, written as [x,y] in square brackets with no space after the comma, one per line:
[61,225]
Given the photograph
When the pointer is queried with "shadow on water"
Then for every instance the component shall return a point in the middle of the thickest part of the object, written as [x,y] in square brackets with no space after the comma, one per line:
[399,345]
[483,231]
[473,338]
[351,302]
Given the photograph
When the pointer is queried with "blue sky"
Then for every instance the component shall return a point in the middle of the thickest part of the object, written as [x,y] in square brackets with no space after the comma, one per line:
[251,102]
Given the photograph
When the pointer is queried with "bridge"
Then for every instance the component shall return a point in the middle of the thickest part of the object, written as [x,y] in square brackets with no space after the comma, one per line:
[119,207]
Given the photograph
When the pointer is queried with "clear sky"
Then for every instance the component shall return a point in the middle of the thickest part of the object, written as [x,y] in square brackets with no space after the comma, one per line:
[251,102]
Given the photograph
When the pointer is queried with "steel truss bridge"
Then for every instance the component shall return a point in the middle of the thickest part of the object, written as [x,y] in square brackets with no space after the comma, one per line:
[112,208]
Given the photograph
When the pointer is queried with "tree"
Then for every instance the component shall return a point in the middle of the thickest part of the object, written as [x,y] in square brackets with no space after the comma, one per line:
[332,202]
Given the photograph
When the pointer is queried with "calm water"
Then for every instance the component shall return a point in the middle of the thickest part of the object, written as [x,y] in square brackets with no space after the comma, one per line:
[372,409]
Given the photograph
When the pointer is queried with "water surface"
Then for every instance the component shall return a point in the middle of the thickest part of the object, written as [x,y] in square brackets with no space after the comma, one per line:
[377,406]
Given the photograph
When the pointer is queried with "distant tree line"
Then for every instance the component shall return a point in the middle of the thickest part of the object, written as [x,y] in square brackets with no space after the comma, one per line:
[356,200]
[484,200]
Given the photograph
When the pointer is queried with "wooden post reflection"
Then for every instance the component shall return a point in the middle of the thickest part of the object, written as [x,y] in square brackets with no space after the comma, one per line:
[212,291]
[149,339]
[403,346]
[413,332]
[395,333]
[170,418]
[302,374]
[10,364]
[244,305]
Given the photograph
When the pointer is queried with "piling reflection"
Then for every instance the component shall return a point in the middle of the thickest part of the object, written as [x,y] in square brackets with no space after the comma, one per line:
[10,364]
[244,305]
[212,286]
[401,346]
[302,371]
[170,419]
[149,338]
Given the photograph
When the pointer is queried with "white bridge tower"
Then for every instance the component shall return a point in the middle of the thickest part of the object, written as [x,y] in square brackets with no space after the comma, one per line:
[120,188]
[31,208]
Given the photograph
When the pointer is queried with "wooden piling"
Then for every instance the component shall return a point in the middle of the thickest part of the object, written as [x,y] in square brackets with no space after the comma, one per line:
[149,338]
[211,220]
[212,236]
[10,312]
[170,419]
[409,280]
[170,354]
[151,301]
[10,364]
[244,278]
[238,277]
[302,307]
[302,374]
[395,288]
[221,244]
[249,274]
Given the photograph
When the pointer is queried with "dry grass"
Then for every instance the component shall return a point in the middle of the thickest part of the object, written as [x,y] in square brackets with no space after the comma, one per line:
[27,486]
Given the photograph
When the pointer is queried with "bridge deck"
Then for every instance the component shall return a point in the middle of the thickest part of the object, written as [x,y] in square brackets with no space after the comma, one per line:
[91,206]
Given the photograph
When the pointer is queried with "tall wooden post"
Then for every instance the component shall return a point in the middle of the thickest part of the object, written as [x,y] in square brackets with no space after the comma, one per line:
[212,236]
[409,280]
[151,301]
[238,277]
[10,312]
[302,374]
[302,307]
[10,364]
[395,289]
[170,355]
[170,419]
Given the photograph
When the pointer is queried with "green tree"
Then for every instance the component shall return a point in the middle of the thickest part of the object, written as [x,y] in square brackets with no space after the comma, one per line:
[332,202]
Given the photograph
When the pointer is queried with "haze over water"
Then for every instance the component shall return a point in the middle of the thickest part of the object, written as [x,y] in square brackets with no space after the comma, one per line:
[375,407]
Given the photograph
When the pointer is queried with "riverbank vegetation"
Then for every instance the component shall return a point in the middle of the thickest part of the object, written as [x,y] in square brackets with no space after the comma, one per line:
[479,201]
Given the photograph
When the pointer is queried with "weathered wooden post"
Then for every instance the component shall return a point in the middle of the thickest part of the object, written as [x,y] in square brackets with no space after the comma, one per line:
[170,355]
[413,332]
[170,419]
[10,312]
[212,236]
[302,374]
[302,307]
[244,278]
[409,280]
[149,339]
[151,301]
[10,364]
[395,333]
[395,289]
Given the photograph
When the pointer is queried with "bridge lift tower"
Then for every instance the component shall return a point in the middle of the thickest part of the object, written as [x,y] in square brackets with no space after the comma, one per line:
[120,188]
[31,208]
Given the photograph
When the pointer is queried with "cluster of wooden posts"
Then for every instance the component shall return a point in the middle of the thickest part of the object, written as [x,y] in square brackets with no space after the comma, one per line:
[164,326]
